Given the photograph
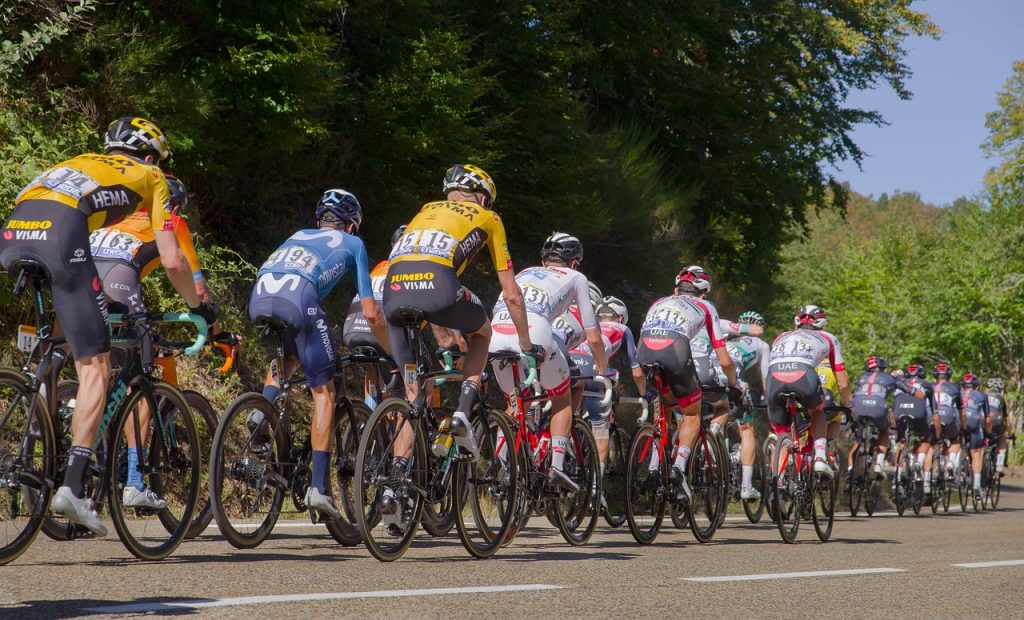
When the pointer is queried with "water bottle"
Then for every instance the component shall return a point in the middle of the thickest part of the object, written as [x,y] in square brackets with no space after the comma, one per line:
[444,440]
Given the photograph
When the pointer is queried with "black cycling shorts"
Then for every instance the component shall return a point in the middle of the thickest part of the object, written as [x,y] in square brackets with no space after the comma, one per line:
[998,424]
[356,332]
[672,352]
[802,381]
[949,431]
[122,285]
[58,237]
[881,419]
[435,291]
[921,426]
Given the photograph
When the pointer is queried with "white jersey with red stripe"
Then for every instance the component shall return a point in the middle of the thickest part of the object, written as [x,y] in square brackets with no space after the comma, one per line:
[806,346]
[686,316]
[549,291]
[569,328]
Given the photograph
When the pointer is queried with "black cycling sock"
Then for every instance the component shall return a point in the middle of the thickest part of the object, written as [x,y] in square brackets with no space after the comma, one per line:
[321,461]
[74,475]
[468,396]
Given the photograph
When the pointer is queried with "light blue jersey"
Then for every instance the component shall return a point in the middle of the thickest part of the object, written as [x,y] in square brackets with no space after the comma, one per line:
[322,256]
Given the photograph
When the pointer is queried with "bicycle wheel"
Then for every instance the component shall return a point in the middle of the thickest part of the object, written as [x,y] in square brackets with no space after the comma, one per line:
[645,508]
[856,478]
[577,515]
[937,483]
[28,464]
[873,494]
[754,508]
[170,466]
[613,483]
[963,477]
[706,470]
[917,490]
[206,419]
[787,489]
[997,486]
[491,484]
[823,505]
[524,506]
[768,493]
[246,486]
[389,536]
[341,480]
[901,492]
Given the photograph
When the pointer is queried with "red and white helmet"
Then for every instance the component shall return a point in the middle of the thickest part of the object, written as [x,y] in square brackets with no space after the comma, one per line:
[810,316]
[696,277]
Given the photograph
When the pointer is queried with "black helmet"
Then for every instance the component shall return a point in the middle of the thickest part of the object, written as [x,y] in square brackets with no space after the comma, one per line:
[469,178]
[137,135]
[562,247]
[916,370]
[942,369]
[395,236]
[337,205]
[179,193]
[876,362]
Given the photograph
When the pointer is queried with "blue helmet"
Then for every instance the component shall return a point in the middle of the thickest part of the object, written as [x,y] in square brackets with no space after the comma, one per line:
[337,205]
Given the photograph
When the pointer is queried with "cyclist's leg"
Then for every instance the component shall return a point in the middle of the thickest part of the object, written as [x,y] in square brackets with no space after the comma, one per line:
[882,447]
[1000,431]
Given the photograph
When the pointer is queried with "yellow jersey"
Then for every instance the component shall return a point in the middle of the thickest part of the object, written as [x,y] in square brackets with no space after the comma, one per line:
[450,234]
[828,383]
[104,187]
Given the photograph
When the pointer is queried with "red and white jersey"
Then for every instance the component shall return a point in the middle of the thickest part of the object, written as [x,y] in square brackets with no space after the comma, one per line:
[549,291]
[684,315]
[568,327]
[806,346]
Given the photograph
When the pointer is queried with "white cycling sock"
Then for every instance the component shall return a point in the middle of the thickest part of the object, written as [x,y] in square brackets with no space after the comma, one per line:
[879,459]
[1000,460]
[559,445]
[977,481]
[748,476]
[920,459]
[954,461]
[819,448]
[927,477]
[655,456]
[682,455]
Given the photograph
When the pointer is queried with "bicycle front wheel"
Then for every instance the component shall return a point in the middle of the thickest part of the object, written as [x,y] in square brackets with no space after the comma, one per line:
[206,419]
[613,483]
[903,482]
[348,426]
[787,495]
[576,516]
[706,470]
[754,508]
[485,490]
[768,449]
[823,506]
[168,466]
[646,484]
[388,501]
[28,463]
[246,486]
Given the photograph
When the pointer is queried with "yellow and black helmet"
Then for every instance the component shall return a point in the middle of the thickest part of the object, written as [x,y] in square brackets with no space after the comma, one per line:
[469,178]
[137,135]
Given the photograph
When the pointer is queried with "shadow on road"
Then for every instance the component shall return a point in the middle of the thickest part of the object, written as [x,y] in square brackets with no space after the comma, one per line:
[79,608]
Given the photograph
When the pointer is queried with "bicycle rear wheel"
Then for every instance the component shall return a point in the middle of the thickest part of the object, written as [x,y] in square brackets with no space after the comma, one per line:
[341,480]
[768,449]
[247,489]
[963,477]
[170,467]
[613,483]
[787,496]
[28,464]
[903,481]
[389,536]
[646,485]
[754,508]
[487,510]
[576,515]
[823,505]
[857,480]
[706,470]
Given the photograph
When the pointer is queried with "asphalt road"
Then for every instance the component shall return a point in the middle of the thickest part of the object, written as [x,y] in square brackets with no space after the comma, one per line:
[907,567]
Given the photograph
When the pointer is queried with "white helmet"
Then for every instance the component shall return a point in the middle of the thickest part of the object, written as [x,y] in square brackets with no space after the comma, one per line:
[613,306]
[595,295]
[695,276]
[810,316]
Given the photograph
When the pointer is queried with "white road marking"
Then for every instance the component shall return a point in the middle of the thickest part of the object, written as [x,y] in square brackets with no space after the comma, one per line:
[991,564]
[253,526]
[143,607]
[816,573]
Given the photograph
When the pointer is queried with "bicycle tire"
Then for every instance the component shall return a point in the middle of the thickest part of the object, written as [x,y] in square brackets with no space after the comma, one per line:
[646,486]
[243,472]
[173,466]
[374,466]
[707,472]
[577,517]
[754,508]
[524,503]
[962,486]
[997,486]
[768,450]
[206,419]
[900,493]
[823,505]
[34,487]
[917,497]
[787,496]
[344,450]
[613,483]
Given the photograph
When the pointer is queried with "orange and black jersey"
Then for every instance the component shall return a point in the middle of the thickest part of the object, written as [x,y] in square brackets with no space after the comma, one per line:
[450,234]
[132,241]
[104,187]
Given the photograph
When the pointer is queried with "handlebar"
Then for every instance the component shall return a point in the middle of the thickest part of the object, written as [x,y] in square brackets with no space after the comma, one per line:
[171,317]
[607,394]
[631,400]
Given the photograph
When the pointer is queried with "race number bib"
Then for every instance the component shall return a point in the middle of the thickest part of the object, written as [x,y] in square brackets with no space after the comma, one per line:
[115,244]
[428,242]
[295,258]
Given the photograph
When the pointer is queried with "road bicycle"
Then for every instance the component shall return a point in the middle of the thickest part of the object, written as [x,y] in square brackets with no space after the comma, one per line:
[798,492]
[262,452]
[483,490]
[753,508]
[863,485]
[941,488]
[965,477]
[908,480]
[991,480]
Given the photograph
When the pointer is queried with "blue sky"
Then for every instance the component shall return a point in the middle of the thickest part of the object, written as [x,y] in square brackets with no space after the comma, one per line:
[932,144]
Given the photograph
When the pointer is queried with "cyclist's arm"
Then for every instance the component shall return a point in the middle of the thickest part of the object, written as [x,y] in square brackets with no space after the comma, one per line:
[596,343]
[364,286]
[639,378]
[188,250]
[726,363]
[177,268]
[513,296]
[590,325]
[843,381]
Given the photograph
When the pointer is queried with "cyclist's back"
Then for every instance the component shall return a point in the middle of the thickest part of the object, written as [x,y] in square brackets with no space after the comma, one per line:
[871,395]
[948,403]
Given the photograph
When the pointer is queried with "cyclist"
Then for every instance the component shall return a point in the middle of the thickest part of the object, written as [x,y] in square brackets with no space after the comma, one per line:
[909,409]
[548,290]
[748,351]
[289,286]
[998,422]
[948,415]
[791,369]
[612,316]
[423,275]
[830,390]
[51,222]
[871,401]
[124,254]
[669,327]
[976,426]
